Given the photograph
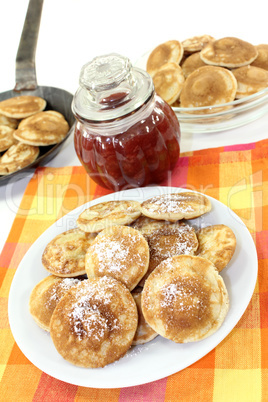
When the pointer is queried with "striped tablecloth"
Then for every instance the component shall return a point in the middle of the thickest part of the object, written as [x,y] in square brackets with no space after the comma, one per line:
[237,369]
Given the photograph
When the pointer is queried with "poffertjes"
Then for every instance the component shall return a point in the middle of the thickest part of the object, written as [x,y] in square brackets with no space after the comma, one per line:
[17,156]
[120,252]
[250,79]
[175,206]
[217,243]
[229,52]
[46,295]
[109,213]
[185,299]
[42,129]
[94,323]
[167,52]
[208,86]
[22,106]
[64,255]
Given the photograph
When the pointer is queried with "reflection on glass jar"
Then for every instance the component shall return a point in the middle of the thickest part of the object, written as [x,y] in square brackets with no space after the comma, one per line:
[125,136]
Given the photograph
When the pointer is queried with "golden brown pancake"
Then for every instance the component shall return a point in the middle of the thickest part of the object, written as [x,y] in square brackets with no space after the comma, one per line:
[208,86]
[185,299]
[192,63]
[64,256]
[175,206]
[42,129]
[20,107]
[217,243]
[121,252]
[6,138]
[94,323]
[46,295]
[17,157]
[229,52]
[144,332]
[250,79]
[170,51]
[196,43]
[8,121]
[109,213]
[168,82]
[262,58]
[167,241]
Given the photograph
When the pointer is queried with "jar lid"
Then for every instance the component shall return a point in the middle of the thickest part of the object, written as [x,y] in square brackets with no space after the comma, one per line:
[110,87]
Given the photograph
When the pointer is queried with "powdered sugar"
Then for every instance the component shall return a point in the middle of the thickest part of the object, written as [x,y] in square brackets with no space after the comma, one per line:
[114,252]
[169,203]
[173,240]
[89,317]
[185,296]
[60,288]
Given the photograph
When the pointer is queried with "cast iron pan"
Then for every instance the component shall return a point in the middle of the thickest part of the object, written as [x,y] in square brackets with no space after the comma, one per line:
[26,84]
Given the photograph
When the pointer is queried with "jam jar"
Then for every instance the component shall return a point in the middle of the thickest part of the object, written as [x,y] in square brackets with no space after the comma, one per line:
[125,135]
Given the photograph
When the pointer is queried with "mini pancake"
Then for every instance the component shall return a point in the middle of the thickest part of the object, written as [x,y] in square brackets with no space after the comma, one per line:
[262,58]
[172,207]
[94,323]
[217,243]
[64,256]
[229,52]
[196,43]
[42,129]
[8,121]
[109,213]
[144,332]
[208,86]
[168,82]
[185,299]
[17,157]
[170,51]
[192,63]
[169,240]
[121,252]
[250,79]
[20,107]
[6,138]
[46,295]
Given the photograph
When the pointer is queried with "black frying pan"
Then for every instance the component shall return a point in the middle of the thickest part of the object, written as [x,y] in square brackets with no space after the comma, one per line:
[26,84]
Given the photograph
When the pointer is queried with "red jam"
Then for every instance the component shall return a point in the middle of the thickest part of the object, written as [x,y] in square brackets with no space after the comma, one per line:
[142,154]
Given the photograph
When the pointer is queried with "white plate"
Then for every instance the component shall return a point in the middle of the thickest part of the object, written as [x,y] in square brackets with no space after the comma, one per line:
[145,363]
[234,114]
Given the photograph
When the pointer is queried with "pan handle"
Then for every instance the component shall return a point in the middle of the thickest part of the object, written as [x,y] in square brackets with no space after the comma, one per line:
[25,59]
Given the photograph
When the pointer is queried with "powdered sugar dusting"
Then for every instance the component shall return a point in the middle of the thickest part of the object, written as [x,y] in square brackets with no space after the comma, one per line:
[91,316]
[173,240]
[169,203]
[114,252]
[60,288]
[184,296]
[171,293]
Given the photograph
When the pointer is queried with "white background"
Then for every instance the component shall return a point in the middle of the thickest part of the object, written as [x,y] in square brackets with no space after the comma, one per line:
[72,32]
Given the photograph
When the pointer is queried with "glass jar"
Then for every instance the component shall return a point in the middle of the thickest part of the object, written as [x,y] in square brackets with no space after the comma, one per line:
[125,136]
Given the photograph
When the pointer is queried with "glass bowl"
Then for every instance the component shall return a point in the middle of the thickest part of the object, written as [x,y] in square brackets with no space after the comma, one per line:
[219,117]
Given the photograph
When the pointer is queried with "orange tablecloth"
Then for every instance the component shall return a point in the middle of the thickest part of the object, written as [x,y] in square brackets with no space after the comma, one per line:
[237,369]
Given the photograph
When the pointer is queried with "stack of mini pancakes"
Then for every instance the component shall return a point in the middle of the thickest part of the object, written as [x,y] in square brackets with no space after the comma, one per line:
[24,127]
[132,271]
[202,71]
